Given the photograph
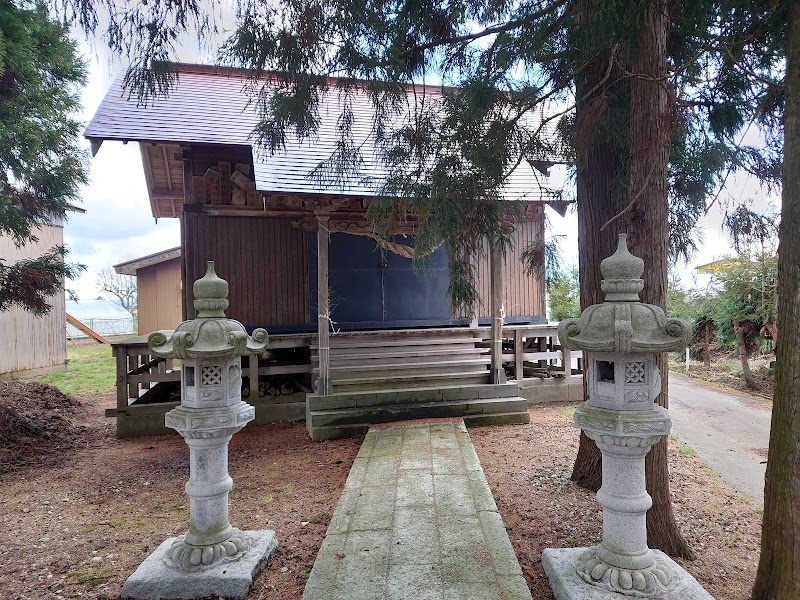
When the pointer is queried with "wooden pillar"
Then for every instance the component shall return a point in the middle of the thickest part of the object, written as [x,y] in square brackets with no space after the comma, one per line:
[496,292]
[252,376]
[325,386]
[187,301]
[518,357]
[566,360]
[122,377]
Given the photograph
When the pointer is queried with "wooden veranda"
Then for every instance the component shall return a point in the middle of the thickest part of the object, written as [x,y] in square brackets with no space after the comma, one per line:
[529,351]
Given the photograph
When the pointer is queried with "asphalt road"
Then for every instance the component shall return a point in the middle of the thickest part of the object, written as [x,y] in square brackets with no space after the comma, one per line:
[729,431]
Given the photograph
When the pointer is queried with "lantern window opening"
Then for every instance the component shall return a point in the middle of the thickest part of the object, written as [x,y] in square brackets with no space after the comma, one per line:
[188,377]
[605,371]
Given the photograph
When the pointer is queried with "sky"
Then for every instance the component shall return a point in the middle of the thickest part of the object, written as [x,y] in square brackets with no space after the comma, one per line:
[118,225]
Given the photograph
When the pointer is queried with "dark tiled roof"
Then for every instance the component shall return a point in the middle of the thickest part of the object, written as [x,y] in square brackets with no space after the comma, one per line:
[210,105]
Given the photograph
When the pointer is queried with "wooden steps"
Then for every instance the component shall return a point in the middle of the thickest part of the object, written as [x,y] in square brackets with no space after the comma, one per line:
[370,368]
[381,377]
[404,359]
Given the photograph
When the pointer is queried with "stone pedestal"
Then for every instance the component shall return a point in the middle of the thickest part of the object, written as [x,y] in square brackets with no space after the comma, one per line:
[155,580]
[210,539]
[561,566]
[622,562]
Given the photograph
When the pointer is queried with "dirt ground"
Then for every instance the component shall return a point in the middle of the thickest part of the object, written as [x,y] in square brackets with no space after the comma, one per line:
[76,522]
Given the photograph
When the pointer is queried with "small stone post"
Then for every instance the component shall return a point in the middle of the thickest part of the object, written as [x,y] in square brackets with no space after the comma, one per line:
[212,557]
[621,337]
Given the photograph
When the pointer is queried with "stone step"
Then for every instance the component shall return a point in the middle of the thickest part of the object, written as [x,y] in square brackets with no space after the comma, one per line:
[421,410]
[411,395]
[509,418]
[389,382]
[345,372]
[337,432]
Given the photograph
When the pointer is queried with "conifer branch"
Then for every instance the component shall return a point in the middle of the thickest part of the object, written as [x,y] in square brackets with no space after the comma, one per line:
[469,37]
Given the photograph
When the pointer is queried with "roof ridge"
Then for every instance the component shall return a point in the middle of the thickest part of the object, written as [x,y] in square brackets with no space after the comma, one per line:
[227,71]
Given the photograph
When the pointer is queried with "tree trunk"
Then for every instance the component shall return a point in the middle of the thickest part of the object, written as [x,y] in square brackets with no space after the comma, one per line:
[772,329]
[779,566]
[600,190]
[648,222]
[747,375]
[641,210]
[707,352]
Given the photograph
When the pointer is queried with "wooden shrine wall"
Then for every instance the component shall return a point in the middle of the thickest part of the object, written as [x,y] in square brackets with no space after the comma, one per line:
[523,294]
[263,260]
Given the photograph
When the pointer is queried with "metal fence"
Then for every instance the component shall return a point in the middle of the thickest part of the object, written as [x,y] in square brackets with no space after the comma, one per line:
[104,327]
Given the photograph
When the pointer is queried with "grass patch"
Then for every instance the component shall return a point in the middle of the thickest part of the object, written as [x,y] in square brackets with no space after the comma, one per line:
[709,471]
[81,578]
[319,518]
[91,372]
[684,450]
[305,574]
[568,410]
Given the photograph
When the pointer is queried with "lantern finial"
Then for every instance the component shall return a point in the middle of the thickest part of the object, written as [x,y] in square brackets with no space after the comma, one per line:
[622,272]
[210,294]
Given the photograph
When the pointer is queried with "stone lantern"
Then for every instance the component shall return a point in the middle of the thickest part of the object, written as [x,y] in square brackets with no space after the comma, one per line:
[621,338]
[212,557]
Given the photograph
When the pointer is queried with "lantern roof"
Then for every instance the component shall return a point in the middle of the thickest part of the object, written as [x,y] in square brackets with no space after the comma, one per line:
[211,334]
[622,323]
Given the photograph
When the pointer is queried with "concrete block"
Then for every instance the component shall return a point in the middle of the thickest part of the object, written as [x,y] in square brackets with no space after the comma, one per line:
[556,389]
[414,582]
[560,566]
[481,494]
[336,432]
[503,557]
[415,489]
[514,587]
[498,390]
[153,580]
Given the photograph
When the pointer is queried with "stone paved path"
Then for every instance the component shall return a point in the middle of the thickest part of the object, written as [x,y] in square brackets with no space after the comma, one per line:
[416,520]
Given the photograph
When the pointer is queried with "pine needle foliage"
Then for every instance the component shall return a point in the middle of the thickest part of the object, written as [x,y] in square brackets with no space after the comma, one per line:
[41,164]
[463,92]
